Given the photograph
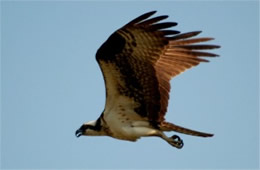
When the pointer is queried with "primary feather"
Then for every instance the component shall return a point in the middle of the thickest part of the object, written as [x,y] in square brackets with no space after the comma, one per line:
[138,61]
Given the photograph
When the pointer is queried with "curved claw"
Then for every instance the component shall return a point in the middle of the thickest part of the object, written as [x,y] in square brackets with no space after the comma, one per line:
[176,142]
[176,137]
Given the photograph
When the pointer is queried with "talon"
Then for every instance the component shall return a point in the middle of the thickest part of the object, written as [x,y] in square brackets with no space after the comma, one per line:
[177,141]
[176,137]
[180,144]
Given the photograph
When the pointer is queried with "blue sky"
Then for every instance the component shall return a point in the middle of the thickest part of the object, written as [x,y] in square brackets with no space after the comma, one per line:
[51,84]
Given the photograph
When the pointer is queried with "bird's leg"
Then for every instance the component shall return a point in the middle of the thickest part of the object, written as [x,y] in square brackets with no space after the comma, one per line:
[141,128]
[175,140]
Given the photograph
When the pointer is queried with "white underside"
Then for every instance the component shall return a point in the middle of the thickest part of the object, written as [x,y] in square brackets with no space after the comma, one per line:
[124,123]
[119,115]
[132,132]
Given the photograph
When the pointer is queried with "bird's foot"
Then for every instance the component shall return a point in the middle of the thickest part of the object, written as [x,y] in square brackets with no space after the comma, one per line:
[176,141]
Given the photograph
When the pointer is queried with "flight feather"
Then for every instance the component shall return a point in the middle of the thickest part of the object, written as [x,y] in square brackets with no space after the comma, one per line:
[144,55]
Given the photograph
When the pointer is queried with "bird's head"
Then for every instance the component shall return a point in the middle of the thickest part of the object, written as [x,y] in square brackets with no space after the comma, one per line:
[91,128]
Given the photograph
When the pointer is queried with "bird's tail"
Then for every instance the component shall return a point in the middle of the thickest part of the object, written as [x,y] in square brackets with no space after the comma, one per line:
[166,126]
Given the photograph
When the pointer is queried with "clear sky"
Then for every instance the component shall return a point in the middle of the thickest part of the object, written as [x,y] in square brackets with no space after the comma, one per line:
[51,84]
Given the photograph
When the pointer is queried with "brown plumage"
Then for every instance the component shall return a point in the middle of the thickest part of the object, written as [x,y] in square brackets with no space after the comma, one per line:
[154,56]
[138,61]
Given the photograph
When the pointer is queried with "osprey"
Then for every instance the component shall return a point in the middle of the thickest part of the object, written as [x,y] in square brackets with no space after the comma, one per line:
[138,61]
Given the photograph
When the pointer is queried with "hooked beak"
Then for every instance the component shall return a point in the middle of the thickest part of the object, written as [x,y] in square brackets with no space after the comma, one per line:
[78,133]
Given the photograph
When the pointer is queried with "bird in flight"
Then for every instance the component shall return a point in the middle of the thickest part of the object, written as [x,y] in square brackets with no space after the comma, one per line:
[138,61]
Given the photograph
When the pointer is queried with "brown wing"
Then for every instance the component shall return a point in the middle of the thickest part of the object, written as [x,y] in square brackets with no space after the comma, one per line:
[179,55]
[141,58]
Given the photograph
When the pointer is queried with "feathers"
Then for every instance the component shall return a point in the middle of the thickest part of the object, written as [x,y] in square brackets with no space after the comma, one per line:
[141,18]
[166,126]
[138,61]
[143,56]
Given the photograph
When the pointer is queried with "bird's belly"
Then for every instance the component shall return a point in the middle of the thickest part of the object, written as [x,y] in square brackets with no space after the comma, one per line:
[123,132]
[131,130]
[123,122]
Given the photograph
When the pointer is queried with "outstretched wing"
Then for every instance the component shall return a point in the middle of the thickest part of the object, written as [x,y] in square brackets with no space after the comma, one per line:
[138,61]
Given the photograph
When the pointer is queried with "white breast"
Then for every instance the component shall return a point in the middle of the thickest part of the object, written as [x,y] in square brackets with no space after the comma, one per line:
[119,115]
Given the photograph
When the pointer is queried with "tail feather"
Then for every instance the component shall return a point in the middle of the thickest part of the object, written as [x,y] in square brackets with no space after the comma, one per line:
[166,126]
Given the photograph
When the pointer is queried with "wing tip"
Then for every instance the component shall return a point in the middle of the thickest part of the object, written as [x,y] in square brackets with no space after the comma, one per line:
[141,17]
[195,32]
[152,12]
[217,46]
[148,14]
